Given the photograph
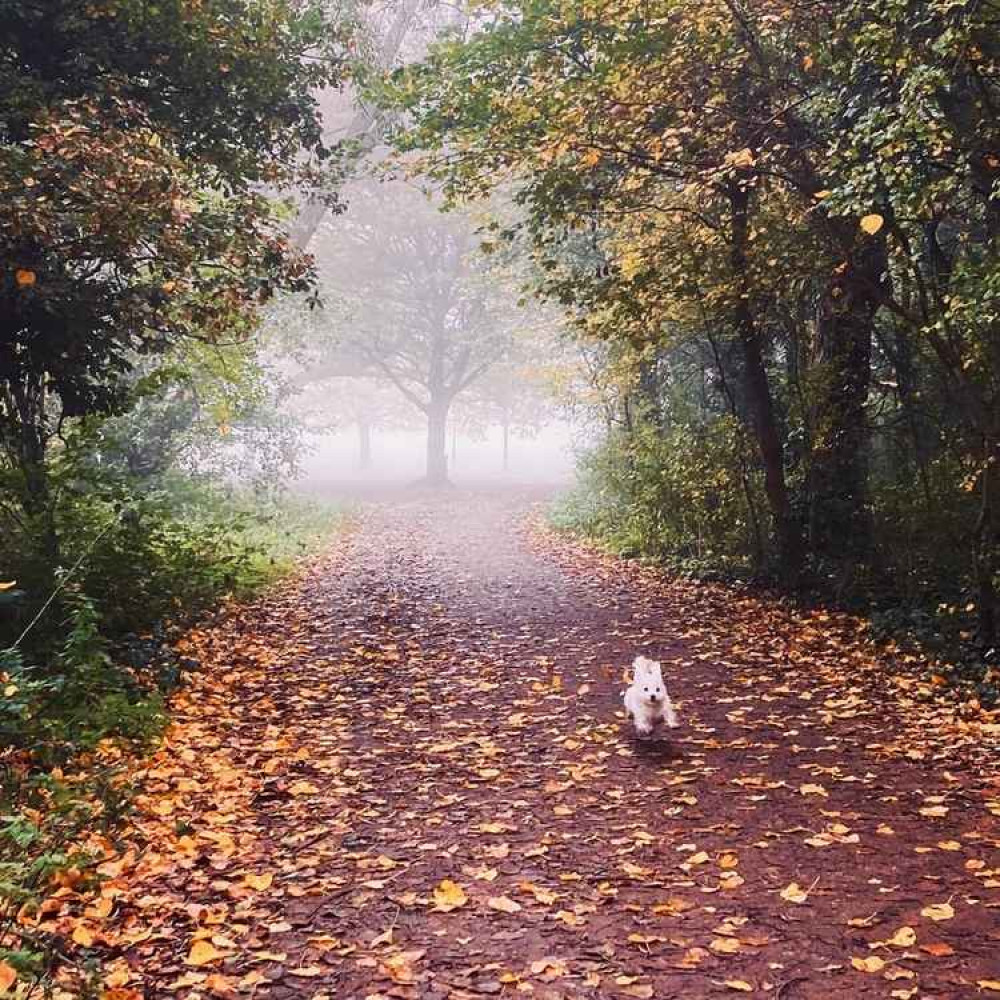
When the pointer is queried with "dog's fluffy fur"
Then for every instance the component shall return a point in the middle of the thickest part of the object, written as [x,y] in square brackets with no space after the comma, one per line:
[646,700]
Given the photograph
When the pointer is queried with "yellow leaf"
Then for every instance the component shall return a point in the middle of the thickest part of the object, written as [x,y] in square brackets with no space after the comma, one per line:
[725,946]
[993,985]
[742,158]
[739,984]
[905,937]
[203,953]
[672,907]
[259,882]
[449,896]
[871,964]
[6,585]
[813,790]
[82,936]
[871,224]
[938,911]
[934,811]
[503,904]
[24,278]
[794,893]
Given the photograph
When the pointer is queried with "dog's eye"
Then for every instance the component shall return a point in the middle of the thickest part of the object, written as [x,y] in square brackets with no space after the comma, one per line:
[646,690]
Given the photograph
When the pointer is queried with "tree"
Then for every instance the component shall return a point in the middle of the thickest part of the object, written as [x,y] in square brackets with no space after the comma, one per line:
[135,143]
[424,312]
[805,194]
[365,403]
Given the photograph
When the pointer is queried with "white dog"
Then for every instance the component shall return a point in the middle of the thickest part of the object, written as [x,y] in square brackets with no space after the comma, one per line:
[646,700]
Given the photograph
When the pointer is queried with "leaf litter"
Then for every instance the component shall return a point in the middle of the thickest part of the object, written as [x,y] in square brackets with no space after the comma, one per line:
[405,774]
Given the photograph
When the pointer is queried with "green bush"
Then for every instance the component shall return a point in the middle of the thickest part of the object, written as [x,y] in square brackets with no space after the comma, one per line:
[674,493]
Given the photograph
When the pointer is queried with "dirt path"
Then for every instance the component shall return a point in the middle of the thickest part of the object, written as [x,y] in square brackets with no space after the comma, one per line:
[407,776]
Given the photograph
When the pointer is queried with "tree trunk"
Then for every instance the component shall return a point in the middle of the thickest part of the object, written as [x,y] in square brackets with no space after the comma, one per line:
[364,445]
[25,401]
[437,443]
[759,401]
[454,447]
[839,524]
[506,446]
[986,539]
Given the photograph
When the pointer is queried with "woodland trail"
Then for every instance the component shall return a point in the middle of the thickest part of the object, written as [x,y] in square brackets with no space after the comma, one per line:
[406,774]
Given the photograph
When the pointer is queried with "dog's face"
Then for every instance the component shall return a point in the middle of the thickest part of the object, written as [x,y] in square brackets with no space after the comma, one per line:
[647,677]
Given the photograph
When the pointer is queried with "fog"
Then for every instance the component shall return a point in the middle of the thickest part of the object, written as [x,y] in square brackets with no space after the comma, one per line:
[399,458]
[426,353]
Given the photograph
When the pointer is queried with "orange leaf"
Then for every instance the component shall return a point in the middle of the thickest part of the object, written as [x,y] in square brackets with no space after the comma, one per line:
[7,976]
[938,949]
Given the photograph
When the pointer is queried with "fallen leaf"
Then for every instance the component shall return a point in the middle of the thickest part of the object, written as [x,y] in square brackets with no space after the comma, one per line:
[938,949]
[871,964]
[938,911]
[503,904]
[203,953]
[813,790]
[83,936]
[724,946]
[905,937]
[449,896]
[934,811]
[794,893]
[8,976]
[739,984]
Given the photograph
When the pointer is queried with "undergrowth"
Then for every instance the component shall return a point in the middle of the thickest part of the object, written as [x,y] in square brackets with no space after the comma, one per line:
[85,690]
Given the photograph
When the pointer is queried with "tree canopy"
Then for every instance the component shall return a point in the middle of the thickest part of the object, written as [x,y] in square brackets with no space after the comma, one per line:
[809,190]
[138,144]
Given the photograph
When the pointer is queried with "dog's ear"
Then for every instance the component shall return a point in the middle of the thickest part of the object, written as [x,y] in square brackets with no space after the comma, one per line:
[640,667]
